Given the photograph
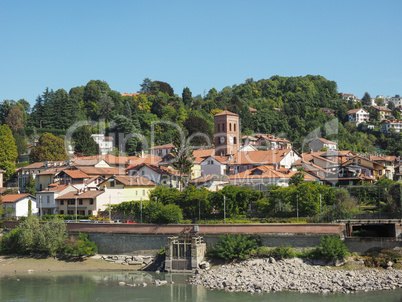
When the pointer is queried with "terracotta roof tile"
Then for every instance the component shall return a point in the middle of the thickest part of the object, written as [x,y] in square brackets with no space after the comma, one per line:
[14,197]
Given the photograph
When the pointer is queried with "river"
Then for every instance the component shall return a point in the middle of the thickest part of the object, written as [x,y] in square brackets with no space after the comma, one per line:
[104,286]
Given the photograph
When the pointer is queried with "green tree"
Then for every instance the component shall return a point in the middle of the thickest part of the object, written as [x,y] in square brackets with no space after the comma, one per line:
[84,143]
[183,160]
[14,119]
[8,152]
[33,237]
[30,186]
[298,177]
[200,131]
[49,148]
[187,97]
[366,99]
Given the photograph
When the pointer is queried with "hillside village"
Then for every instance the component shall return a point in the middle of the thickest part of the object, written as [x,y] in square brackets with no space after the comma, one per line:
[88,185]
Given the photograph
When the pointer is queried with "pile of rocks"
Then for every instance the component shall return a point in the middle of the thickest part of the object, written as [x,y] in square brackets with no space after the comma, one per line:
[129,260]
[265,275]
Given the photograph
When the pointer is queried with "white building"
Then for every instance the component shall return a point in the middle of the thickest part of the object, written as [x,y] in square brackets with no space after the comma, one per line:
[105,143]
[161,150]
[320,143]
[214,165]
[17,205]
[358,116]
[47,203]
[387,125]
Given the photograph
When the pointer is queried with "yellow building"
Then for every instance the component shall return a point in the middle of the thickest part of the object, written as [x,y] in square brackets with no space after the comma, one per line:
[127,188]
[360,165]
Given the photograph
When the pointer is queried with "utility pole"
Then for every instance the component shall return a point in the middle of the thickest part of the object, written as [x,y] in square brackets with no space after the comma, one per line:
[141,209]
[76,209]
[297,207]
[224,209]
[110,210]
[320,209]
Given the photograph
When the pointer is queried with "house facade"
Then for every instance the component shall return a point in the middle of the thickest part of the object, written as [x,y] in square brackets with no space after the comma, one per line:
[383,111]
[126,188]
[319,143]
[214,165]
[387,125]
[358,116]
[105,143]
[46,199]
[17,205]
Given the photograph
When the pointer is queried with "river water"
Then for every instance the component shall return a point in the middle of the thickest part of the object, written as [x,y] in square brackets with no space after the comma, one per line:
[104,286]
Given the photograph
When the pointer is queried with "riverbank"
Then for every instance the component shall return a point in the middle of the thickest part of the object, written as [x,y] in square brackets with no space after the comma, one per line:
[23,265]
[269,275]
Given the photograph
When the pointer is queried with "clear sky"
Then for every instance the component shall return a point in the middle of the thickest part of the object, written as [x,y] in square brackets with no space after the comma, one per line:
[198,44]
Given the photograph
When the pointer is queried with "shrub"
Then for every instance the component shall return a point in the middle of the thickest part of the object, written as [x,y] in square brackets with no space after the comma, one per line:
[33,237]
[380,258]
[332,248]
[81,247]
[234,247]
[283,251]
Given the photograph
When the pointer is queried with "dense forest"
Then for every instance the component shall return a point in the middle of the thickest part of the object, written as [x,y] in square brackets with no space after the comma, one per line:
[287,107]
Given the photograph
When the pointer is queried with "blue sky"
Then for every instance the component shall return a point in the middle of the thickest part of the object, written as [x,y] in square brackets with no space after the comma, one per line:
[198,44]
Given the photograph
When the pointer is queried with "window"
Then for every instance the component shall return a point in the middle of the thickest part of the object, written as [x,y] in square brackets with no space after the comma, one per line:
[359,161]
[80,202]
[48,199]
[230,126]
[223,127]
[62,202]
[219,128]
[91,201]
[62,212]
[234,127]
[71,202]
[112,184]
[235,140]
[143,192]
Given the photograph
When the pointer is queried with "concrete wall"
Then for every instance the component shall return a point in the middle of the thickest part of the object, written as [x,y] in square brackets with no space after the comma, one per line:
[362,245]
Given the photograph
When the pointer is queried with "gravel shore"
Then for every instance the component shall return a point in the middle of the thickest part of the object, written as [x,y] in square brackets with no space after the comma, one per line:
[23,265]
[266,275]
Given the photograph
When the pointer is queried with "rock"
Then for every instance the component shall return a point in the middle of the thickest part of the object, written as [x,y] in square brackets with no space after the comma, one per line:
[119,261]
[122,283]
[157,271]
[272,260]
[133,262]
[204,265]
[390,264]
[143,284]
[30,271]
[138,258]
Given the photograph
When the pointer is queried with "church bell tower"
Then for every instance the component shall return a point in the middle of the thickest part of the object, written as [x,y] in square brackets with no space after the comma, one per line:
[227,133]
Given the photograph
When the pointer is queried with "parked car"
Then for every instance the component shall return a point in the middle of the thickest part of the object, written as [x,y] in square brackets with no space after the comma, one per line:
[68,221]
[117,221]
[85,220]
[130,221]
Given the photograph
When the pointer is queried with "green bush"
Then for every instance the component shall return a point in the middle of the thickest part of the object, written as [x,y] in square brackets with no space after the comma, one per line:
[331,248]
[33,237]
[233,247]
[283,252]
[81,247]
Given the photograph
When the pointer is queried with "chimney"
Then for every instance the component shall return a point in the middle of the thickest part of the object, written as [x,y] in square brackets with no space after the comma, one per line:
[311,151]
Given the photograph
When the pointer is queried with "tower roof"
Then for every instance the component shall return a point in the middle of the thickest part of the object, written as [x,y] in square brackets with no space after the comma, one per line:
[226,113]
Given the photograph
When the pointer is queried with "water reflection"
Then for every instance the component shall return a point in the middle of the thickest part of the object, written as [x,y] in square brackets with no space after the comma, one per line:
[104,286]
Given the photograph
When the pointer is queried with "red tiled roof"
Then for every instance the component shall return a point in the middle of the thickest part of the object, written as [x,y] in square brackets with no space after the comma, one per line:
[226,113]
[261,157]
[134,181]
[167,146]
[76,174]
[15,197]
[94,171]
[85,195]
[325,140]
[352,111]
